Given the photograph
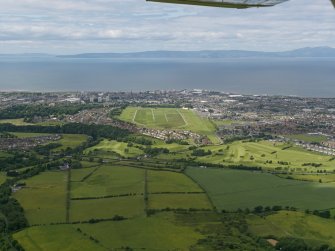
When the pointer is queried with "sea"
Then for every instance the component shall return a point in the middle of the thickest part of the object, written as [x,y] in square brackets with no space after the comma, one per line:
[306,77]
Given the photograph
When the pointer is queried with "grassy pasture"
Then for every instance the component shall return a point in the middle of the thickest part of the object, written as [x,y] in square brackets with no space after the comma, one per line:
[161,181]
[54,238]
[158,232]
[324,178]
[17,122]
[82,210]
[71,141]
[78,174]
[28,134]
[44,198]
[257,153]
[110,180]
[117,147]
[307,137]
[3,177]
[313,229]
[185,201]
[170,118]
[232,189]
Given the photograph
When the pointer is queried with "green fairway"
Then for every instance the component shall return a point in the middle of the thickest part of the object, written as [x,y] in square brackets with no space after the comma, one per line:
[84,210]
[313,229]
[232,189]
[268,155]
[120,148]
[17,122]
[44,198]
[170,118]
[110,180]
[160,181]
[158,232]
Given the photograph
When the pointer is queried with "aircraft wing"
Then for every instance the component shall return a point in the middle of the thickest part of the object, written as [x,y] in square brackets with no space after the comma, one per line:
[333,1]
[237,4]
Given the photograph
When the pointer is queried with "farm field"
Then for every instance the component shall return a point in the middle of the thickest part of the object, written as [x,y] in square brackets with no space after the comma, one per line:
[233,189]
[162,181]
[176,201]
[44,198]
[322,178]
[77,175]
[160,230]
[267,154]
[54,238]
[107,208]
[170,118]
[315,230]
[110,180]
[120,148]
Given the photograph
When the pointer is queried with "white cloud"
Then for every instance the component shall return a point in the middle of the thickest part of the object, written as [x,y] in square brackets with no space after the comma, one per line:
[70,26]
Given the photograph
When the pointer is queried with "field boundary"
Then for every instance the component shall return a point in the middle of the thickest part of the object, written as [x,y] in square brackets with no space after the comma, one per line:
[207,195]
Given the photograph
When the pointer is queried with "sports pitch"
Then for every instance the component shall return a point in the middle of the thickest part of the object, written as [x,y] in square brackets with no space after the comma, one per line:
[170,118]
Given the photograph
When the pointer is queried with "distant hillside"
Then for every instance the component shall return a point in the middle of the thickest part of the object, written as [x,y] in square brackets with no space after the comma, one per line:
[326,52]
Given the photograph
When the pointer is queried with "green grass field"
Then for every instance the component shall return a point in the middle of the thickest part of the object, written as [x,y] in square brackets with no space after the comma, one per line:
[67,140]
[161,181]
[110,180]
[313,229]
[232,189]
[44,198]
[307,137]
[71,141]
[54,238]
[323,178]
[120,148]
[258,153]
[3,177]
[17,122]
[175,201]
[84,210]
[28,134]
[156,233]
[170,118]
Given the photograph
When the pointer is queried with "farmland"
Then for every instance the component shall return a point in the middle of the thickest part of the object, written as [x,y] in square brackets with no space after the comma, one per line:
[142,233]
[170,118]
[313,229]
[232,189]
[44,198]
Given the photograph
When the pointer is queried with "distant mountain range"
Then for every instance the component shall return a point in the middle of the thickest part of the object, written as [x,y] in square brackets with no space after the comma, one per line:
[325,52]
[309,52]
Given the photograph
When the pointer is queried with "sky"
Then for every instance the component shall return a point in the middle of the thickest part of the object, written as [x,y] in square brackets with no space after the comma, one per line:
[80,26]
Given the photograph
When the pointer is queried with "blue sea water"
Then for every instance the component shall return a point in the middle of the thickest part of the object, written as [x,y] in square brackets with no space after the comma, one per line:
[302,77]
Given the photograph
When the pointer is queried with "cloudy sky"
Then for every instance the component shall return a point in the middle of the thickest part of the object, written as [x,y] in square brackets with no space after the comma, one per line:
[75,26]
